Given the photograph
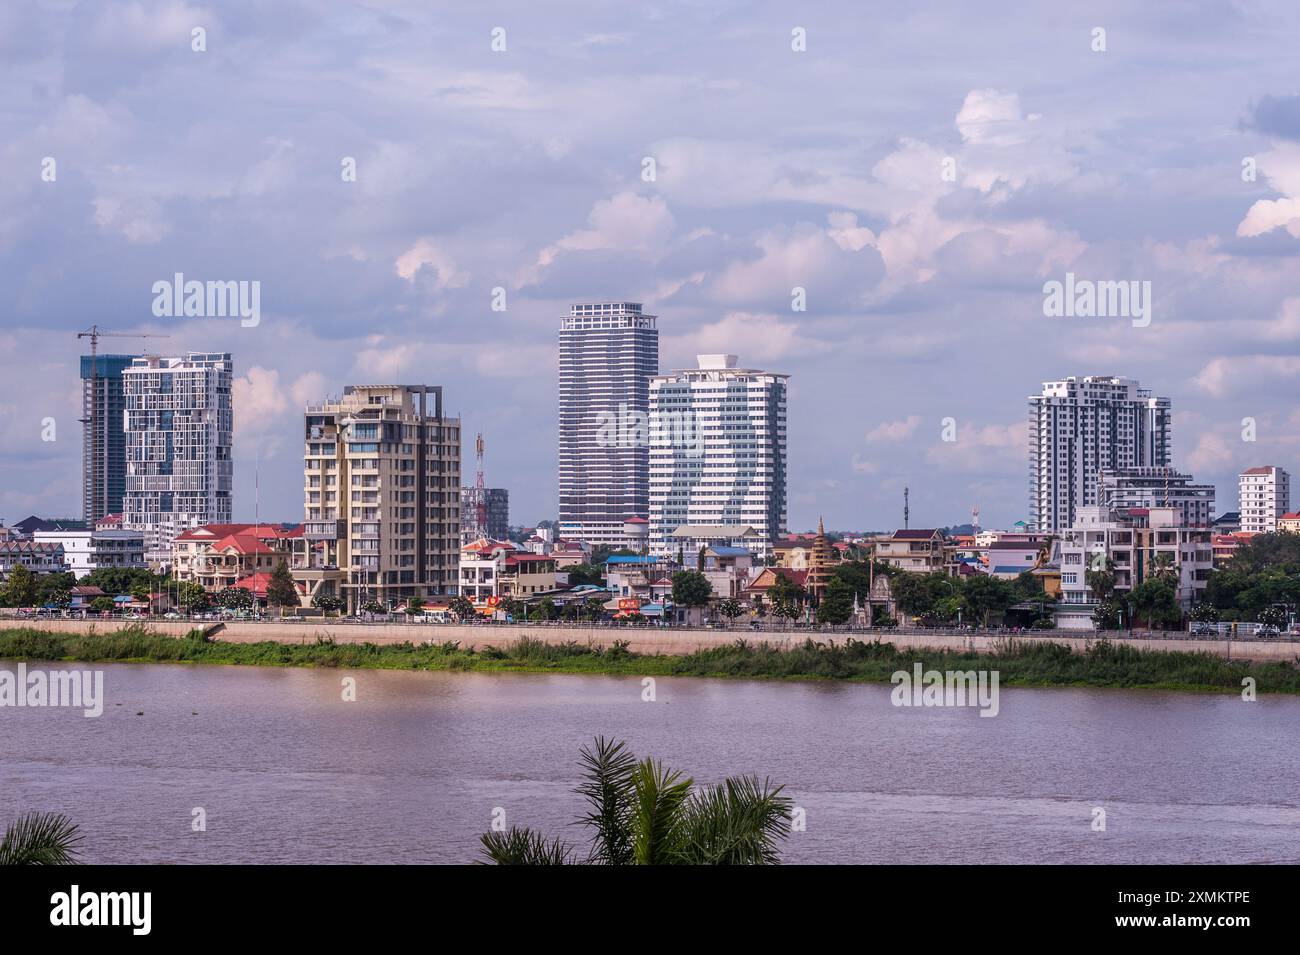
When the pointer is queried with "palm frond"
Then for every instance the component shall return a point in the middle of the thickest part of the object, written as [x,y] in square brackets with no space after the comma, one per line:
[658,797]
[608,787]
[41,838]
[741,822]
[522,846]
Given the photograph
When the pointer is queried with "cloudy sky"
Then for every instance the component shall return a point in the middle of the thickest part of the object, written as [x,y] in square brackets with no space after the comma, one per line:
[775,168]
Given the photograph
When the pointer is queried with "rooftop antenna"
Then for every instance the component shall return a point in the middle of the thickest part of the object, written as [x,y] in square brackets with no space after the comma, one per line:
[975,519]
[906,511]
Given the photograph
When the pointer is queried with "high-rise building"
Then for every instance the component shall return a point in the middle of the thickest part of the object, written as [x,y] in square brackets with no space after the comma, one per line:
[103,435]
[1079,427]
[1265,496]
[179,431]
[495,513]
[717,438]
[1160,487]
[608,352]
[382,492]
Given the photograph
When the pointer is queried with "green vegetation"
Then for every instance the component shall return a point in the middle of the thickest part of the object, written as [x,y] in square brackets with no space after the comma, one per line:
[1028,663]
[280,590]
[1264,572]
[641,813]
[41,838]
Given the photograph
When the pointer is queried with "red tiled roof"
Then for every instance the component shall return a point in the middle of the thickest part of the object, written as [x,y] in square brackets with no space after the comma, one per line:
[1264,470]
[257,583]
[263,531]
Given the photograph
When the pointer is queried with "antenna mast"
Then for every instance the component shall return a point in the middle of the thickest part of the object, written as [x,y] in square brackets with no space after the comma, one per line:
[906,512]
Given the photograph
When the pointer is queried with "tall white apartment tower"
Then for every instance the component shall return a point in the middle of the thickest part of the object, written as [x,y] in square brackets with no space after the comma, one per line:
[1265,496]
[717,449]
[179,440]
[608,352]
[1080,427]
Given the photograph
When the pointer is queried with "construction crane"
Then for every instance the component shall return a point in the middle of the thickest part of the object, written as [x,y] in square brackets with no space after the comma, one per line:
[98,490]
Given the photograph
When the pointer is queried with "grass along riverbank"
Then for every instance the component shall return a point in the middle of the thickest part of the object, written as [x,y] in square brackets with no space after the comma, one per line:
[1018,662]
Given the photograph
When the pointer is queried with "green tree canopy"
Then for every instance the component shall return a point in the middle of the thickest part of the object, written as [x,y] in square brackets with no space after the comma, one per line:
[280,590]
[691,589]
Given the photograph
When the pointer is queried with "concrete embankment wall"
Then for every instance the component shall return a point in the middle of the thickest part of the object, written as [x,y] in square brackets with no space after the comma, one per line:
[666,640]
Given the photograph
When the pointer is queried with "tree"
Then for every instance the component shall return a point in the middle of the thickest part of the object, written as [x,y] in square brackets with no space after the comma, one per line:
[785,592]
[1164,568]
[41,838]
[1274,617]
[1107,616]
[837,603]
[49,587]
[731,609]
[1156,602]
[760,606]
[985,594]
[546,609]
[593,608]
[373,606]
[641,813]
[191,595]
[585,574]
[234,598]
[1205,613]
[122,580]
[462,607]
[102,604]
[327,602]
[20,588]
[281,591]
[414,605]
[1101,582]
[691,589]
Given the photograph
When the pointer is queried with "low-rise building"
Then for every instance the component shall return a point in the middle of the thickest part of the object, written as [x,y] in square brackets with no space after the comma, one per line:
[1135,544]
[217,556]
[87,551]
[37,557]
[917,551]
[1289,522]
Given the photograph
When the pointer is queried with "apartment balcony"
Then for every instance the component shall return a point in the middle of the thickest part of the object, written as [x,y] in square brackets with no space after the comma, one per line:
[323,530]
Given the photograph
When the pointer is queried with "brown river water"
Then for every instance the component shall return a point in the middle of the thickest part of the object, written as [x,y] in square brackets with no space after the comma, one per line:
[411,772]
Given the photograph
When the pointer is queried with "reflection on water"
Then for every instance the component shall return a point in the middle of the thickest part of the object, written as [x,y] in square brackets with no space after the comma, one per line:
[288,772]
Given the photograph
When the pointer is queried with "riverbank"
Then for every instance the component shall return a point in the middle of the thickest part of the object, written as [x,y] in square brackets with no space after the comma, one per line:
[1019,662]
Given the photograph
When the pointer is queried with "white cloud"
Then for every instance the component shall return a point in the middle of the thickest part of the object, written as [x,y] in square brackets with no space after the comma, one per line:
[894,430]
[427,253]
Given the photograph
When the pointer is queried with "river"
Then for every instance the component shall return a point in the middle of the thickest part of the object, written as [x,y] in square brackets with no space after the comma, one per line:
[285,770]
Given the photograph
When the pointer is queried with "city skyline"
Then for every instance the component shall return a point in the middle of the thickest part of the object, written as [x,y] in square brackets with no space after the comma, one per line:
[924,294]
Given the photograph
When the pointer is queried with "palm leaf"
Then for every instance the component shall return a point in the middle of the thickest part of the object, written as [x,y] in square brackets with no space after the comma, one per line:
[608,789]
[41,838]
[519,846]
[741,822]
[657,800]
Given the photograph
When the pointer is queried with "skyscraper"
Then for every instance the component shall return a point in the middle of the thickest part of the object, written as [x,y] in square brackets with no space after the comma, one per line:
[608,352]
[103,435]
[1079,427]
[717,449]
[179,431]
[382,492]
[1265,495]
